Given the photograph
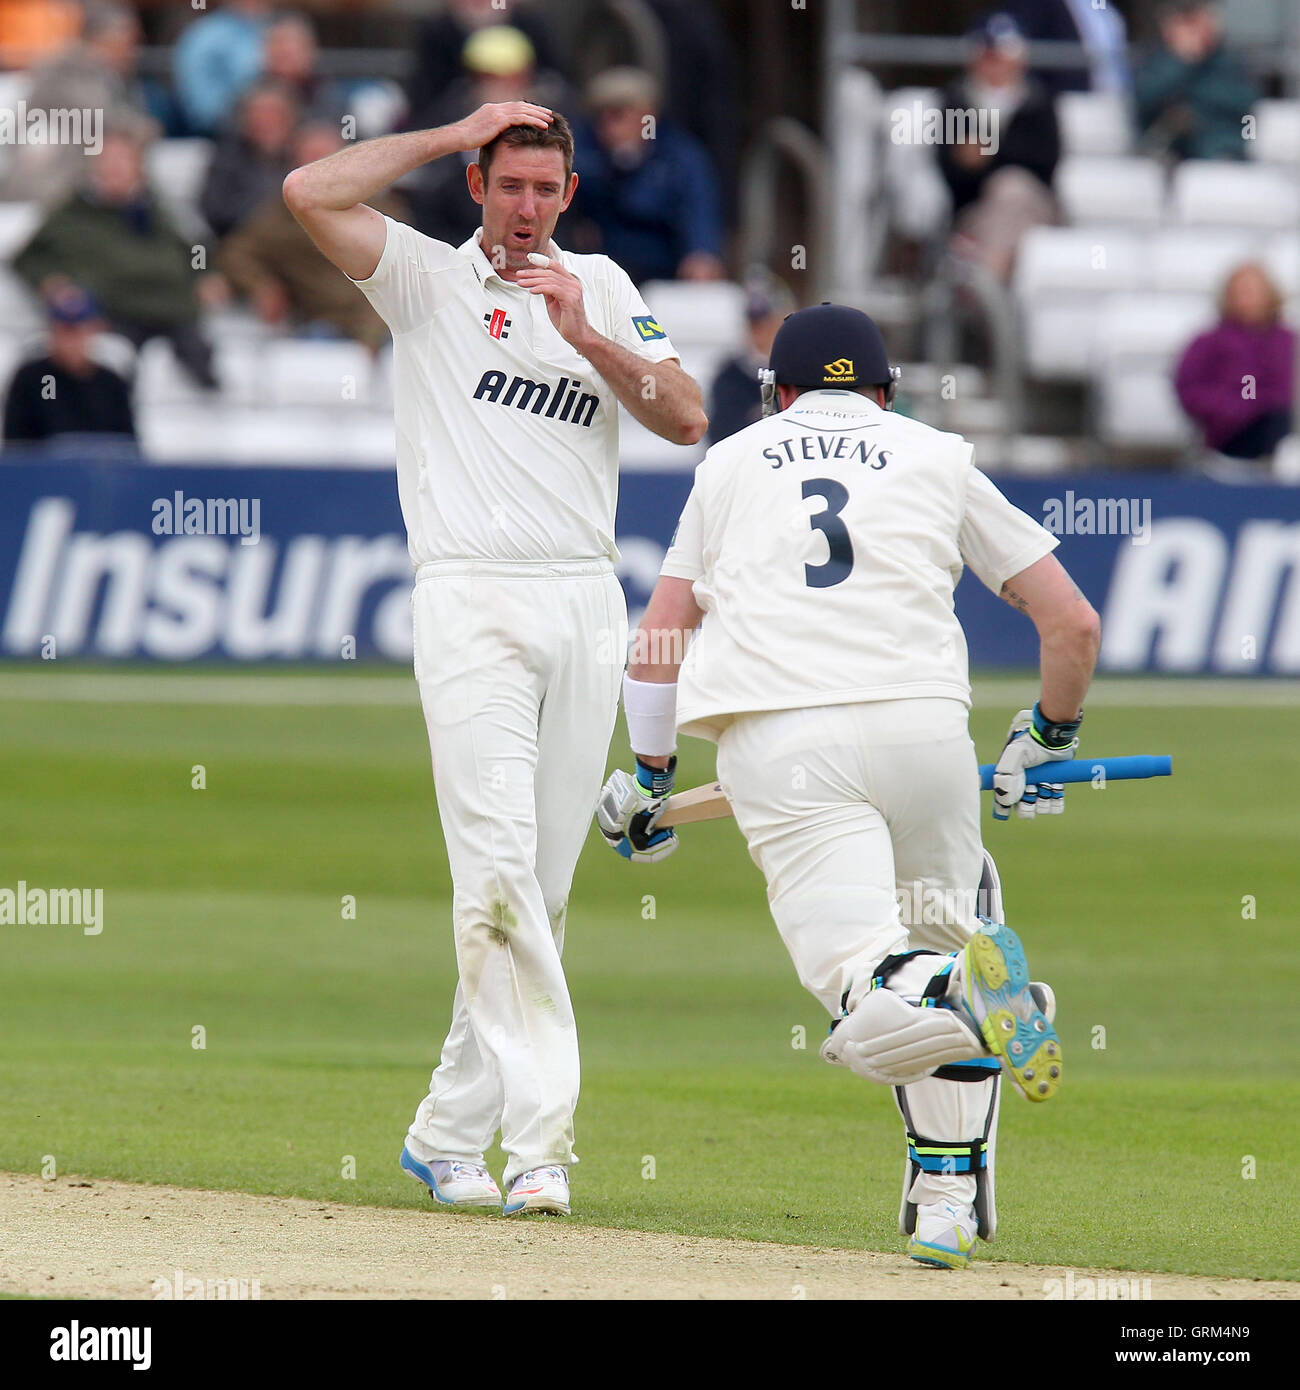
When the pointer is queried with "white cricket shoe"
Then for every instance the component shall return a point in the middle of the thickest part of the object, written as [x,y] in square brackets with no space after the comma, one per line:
[539,1189]
[454,1184]
[944,1235]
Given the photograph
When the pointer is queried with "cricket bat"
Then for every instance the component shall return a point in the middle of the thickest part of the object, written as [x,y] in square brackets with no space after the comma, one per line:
[709,803]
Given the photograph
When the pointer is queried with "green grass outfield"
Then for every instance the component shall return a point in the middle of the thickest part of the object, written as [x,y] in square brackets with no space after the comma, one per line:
[222,910]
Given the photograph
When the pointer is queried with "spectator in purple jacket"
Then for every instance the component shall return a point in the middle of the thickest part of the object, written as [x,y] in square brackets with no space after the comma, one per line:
[1236,381]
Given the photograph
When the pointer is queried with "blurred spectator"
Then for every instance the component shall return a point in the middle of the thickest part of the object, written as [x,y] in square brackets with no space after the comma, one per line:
[1099,28]
[647,192]
[65,391]
[272,262]
[96,71]
[31,30]
[114,238]
[499,64]
[441,44]
[215,58]
[736,399]
[1002,187]
[1237,380]
[1192,94]
[290,56]
[251,158]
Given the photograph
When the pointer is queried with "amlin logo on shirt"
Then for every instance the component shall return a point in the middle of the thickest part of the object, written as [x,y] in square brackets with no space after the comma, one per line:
[578,407]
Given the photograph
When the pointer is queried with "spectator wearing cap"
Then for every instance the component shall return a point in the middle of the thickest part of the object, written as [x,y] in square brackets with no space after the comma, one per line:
[251,158]
[65,392]
[1237,381]
[498,64]
[1001,186]
[1192,93]
[113,237]
[736,400]
[274,265]
[647,194]
[216,58]
[441,44]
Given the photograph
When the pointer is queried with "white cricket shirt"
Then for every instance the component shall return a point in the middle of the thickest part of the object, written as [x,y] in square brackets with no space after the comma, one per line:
[825,543]
[507,439]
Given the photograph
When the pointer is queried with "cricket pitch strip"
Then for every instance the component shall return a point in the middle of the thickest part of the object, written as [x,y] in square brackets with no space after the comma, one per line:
[86,1238]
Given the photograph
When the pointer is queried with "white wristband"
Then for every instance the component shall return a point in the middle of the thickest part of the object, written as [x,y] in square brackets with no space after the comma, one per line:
[651,710]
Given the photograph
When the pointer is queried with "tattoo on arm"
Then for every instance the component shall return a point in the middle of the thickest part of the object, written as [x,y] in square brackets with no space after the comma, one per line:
[1014,599]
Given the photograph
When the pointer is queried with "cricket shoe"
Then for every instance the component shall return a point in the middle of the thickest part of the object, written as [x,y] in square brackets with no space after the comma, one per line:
[944,1235]
[454,1184]
[1012,1018]
[539,1189]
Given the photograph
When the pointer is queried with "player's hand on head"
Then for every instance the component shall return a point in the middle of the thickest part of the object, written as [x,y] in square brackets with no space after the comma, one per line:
[1031,742]
[484,125]
[628,811]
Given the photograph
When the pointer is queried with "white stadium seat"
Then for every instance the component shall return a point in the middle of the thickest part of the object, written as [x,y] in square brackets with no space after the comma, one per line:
[18,223]
[1228,193]
[20,314]
[1083,259]
[1198,260]
[1277,133]
[1156,327]
[177,169]
[1128,192]
[919,201]
[1059,335]
[1094,123]
[711,312]
[161,380]
[316,372]
[1282,258]
[1137,407]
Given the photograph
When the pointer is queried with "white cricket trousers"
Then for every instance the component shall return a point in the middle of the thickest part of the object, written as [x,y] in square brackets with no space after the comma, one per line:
[864,819]
[519,667]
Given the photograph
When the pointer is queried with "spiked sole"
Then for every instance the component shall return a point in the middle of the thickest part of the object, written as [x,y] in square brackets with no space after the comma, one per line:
[1014,1028]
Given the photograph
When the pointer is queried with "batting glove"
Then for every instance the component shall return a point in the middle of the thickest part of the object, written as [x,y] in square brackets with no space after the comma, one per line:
[1031,742]
[628,809]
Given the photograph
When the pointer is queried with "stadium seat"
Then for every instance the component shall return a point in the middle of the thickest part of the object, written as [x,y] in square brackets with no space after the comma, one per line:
[919,201]
[299,372]
[1225,193]
[1094,123]
[700,312]
[18,223]
[1137,407]
[20,314]
[1187,260]
[1126,192]
[177,169]
[1282,258]
[1077,258]
[162,381]
[1277,133]
[1153,326]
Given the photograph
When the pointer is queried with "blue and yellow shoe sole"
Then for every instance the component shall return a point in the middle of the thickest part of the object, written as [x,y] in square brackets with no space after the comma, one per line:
[939,1256]
[1015,1030]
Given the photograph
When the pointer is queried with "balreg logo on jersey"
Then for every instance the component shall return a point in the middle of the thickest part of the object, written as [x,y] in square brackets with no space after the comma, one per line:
[498,325]
[566,400]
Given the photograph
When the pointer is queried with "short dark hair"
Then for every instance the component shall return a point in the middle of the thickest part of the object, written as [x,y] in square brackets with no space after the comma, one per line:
[557,136]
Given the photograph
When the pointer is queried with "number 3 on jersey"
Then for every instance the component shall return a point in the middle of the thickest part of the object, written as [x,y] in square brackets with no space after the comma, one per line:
[836,568]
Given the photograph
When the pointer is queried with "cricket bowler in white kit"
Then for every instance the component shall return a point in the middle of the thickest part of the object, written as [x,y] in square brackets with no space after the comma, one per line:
[817,556]
[511,357]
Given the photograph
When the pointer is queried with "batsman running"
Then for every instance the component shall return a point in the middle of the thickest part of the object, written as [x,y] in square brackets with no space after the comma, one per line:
[817,556]
[511,358]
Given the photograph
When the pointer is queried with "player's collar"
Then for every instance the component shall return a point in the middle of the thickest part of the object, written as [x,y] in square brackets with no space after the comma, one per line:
[828,397]
[482,262]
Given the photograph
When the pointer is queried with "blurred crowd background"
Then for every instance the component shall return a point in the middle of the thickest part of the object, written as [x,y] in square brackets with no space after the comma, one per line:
[1113,280]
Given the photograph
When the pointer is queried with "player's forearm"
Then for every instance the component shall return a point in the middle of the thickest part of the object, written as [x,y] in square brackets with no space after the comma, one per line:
[658,394]
[1068,657]
[361,172]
